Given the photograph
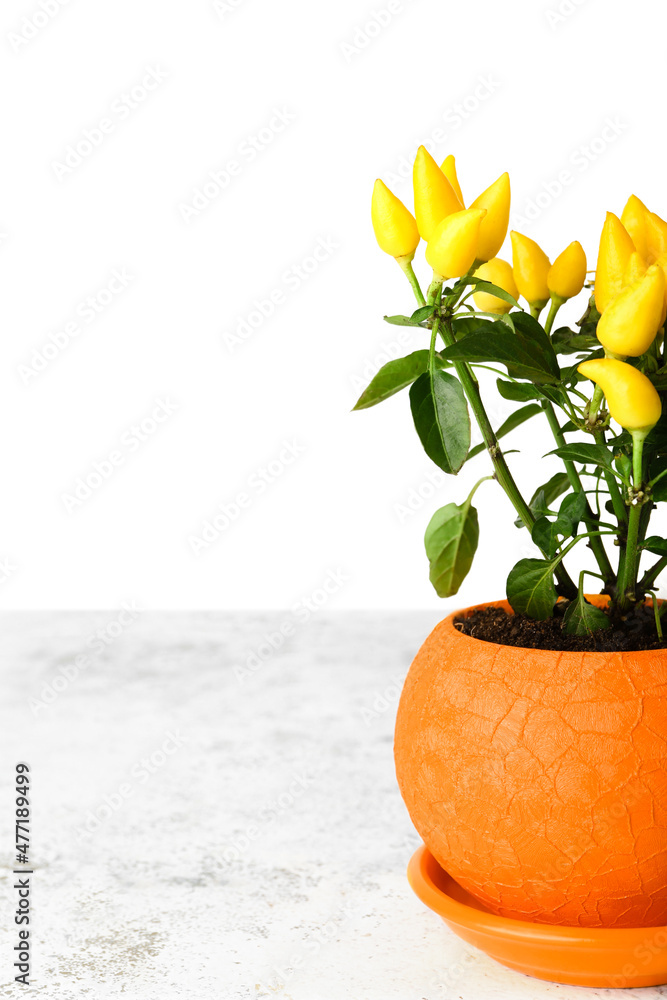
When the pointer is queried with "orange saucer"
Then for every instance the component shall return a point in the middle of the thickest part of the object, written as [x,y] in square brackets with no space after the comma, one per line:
[579,956]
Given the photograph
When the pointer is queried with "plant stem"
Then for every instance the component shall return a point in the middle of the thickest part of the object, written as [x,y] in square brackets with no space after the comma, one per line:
[627,575]
[503,474]
[405,264]
[597,546]
[651,575]
[627,581]
[555,305]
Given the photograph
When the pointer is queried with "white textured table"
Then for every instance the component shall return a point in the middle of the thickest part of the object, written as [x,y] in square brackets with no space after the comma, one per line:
[215,818]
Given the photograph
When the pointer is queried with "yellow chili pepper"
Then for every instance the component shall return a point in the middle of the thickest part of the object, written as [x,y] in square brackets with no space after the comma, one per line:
[448,167]
[434,196]
[616,248]
[656,238]
[496,201]
[452,249]
[632,399]
[634,269]
[633,218]
[630,322]
[498,272]
[567,274]
[531,266]
[394,226]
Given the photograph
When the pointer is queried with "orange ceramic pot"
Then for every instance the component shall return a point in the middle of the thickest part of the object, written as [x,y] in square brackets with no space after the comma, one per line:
[538,779]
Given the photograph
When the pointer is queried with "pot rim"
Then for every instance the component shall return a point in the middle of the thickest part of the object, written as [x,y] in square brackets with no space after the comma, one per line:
[600,600]
[422,876]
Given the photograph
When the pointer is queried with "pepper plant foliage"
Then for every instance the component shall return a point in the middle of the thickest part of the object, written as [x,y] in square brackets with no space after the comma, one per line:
[597,389]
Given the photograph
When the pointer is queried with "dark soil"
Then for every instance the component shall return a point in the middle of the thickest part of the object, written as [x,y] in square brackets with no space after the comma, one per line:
[637,631]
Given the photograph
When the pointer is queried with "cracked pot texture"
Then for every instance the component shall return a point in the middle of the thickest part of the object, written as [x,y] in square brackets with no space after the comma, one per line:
[538,779]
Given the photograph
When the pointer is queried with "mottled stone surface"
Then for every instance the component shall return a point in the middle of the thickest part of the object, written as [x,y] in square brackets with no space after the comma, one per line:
[262,852]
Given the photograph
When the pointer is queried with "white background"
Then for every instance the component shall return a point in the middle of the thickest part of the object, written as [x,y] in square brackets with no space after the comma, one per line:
[503,86]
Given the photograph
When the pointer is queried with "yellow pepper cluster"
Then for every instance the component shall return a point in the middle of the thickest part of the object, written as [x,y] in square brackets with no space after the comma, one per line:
[459,239]
[630,286]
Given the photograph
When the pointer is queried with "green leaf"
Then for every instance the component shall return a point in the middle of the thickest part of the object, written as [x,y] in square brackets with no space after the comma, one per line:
[394,376]
[566,341]
[574,507]
[520,392]
[422,313]
[514,420]
[656,544]
[487,286]
[582,618]
[451,542]
[523,357]
[531,589]
[440,413]
[545,495]
[418,317]
[548,535]
[586,454]
[659,491]
[530,334]
[465,325]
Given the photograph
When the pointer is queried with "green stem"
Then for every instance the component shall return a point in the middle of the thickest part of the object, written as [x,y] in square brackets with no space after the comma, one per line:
[596,401]
[405,264]
[555,305]
[653,573]
[656,614]
[612,486]
[503,474]
[627,581]
[627,578]
[597,546]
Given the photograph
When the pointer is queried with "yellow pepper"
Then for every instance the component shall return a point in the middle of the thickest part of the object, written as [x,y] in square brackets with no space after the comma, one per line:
[632,399]
[394,226]
[452,249]
[633,218]
[567,274]
[630,322]
[498,272]
[616,248]
[531,267]
[448,167]
[634,269]
[434,196]
[496,201]
[656,238]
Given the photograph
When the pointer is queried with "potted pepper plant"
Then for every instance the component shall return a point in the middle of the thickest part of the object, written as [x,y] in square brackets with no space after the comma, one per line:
[531,737]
